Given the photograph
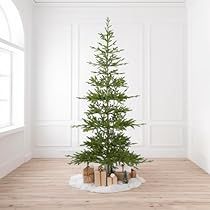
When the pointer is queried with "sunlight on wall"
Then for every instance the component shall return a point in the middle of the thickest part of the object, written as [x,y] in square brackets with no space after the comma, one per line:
[11,66]
[12,17]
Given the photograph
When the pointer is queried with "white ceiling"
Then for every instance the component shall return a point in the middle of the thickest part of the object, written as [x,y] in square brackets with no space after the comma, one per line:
[109,1]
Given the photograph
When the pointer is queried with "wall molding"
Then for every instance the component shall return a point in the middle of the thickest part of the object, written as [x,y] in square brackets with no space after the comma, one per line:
[68,60]
[52,134]
[104,3]
[61,124]
[109,1]
[181,144]
[151,118]
[53,123]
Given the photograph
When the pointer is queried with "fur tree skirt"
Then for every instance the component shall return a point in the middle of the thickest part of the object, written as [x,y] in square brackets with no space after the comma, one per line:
[77,182]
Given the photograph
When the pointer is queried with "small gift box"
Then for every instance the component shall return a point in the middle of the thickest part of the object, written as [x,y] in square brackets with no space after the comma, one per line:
[100,178]
[121,175]
[88,175]
[112,179]
[133,173]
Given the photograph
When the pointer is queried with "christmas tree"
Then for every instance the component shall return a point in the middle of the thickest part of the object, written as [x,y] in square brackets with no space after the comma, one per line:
[106,118]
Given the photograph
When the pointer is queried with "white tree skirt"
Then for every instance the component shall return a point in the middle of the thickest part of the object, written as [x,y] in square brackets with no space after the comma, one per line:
[77,182]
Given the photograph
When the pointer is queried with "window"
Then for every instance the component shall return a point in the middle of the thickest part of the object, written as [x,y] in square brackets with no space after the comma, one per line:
[11,66]
[5,88]
[4,27]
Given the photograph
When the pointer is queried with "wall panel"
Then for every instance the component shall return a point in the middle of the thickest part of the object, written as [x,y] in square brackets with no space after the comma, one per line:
[167,72]
[166,136]
[53,78]
[53,135]
[153,39]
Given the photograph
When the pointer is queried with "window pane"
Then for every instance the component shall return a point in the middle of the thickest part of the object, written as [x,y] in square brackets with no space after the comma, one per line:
[18,87]
[4,28]
[4,113]
[5,59]
[4,88]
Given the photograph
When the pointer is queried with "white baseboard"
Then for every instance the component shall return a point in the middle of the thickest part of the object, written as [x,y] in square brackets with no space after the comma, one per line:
[201,161]
[50,153]
[161,152]
[11,165]
[27,157]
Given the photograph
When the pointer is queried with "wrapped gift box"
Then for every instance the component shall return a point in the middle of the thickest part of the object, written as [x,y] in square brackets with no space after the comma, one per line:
[88,175]
[100,178]
[133,173]
[120,175]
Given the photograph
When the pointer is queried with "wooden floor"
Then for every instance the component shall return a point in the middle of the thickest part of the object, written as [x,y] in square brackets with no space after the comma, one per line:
[43,184]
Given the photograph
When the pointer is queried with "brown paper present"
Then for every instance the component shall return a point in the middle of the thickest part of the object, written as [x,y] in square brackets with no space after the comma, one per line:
[133,173]
[120,175]
[103,178]
[100,178]
[88,179]
[109,181]
[88,175]
[97,176]
[114,180]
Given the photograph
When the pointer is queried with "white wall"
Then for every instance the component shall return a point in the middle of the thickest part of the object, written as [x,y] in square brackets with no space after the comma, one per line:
[15,147]
[154,40]
[199,86]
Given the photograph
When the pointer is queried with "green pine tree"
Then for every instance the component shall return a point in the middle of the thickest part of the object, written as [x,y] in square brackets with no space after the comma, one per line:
[106,115]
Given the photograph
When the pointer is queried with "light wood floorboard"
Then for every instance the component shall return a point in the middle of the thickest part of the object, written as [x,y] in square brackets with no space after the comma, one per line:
[171,184]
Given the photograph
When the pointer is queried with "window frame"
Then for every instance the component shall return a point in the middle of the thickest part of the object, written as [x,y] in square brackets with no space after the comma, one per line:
[9,100]
[10,47]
